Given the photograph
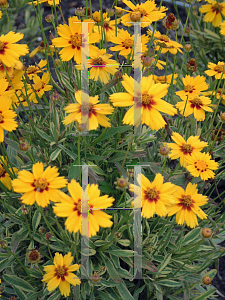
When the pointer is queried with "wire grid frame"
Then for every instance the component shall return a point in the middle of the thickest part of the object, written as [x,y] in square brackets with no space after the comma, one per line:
[137,224]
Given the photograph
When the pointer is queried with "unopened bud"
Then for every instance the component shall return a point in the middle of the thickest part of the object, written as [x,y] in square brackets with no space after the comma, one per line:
[41,230]
[118,235]
[54,96]
[110,11]
[121,182]
[206,232]
[206,280]
[188,29]
[3,244]
[4,4]
[164,150]
[147,61]
[24,146]
[118,74]
[187,47]
[50,18]
[135,16]
[191,65]
[222,117]
[48,235]
[24,210]
[33,256]
[119,12]
[95,277]
[57,62]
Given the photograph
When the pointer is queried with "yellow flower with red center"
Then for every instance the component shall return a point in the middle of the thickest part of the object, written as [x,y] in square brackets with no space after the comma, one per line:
[197,105]
[183,149]
[150,100]
[4,176]
[201,164]
[216,70]
[49,2]
[7,117]
[214,11]
[166,79]
[41,186]
[219,95]
[73,42]
[101,65]
[146,13]
[32,70]
[193,86]
[60,274]
[154,197]
[80,112]
[10,52]
[165,43]
[187,205]
[40,85]
[222,28]
[74,208]
[125,42]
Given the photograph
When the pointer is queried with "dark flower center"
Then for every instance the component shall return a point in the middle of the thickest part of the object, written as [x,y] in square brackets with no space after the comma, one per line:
[187,201]
[76,40]
[128,43]
[146,99]
[2,45]
[187,148]
[2,170]
[152,194]
[196,101]
[219,68]
[188,88]
[40,184]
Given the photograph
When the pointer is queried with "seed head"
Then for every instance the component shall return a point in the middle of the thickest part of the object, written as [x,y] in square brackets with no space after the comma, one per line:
[206,280]
[206,232]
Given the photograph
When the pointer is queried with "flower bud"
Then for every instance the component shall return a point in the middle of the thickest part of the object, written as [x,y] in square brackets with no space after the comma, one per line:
[110,11]
[33,256]
[24,146]
[48,235]
[130,173]
[50,18]
[41,230]
[188,29]
[147,61]
[206,232]
[2,289]
[57,62]
[24,210]
[54,96]
[12,298]
[121,182]
[118,74]
[222,249]
[187,47]
[206,280]
[119,12]
[3,244]
[95,277]
[118,235]
[164,150]
[4,4]
[191,65]
[135,16]
[222,117]
[21,140]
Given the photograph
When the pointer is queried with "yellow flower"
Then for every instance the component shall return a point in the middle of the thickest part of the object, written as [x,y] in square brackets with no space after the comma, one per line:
[187,205]
[197,105]
[60,274]
[9,51]
[10,70]
[7,117]
[222,28]
[71,208]
[165,42]
[216,70]
[4,176]
[72,41]
[192,87]
[95,111]
[40,186]
[150,99]
[214,12]
[49,2]
[0,14]
[182,149]
[166,79]
[31,70]
[147,61]
[154,197]
[125,42]
[40,85]
[102,65]
[41,49]
[145,12]
[109,26]
[200,164]
[218,94]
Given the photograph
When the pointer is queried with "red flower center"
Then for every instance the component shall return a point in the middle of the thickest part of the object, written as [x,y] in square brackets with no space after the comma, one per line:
[41,184]
[1,118]
[60,272]
[2,170]
[152,194]
[186,201]
[187,148]
[2,45]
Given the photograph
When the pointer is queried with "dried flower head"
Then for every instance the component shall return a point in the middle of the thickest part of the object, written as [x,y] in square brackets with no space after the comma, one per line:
[33,256]
[191,65]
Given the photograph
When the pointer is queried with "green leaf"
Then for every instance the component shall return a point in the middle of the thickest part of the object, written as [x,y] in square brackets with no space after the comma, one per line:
[191,236]
[18,292]
[36,220]
[111,269]
[55,154]
[165,262]
[17,237]
[71,154]
[123,291]
[168,282]
[206,295]
[112,131]
[121,253]
[55,296]
[124,243]
[22,284]
[6,262]
[44,135]
[109,283]
[106,295]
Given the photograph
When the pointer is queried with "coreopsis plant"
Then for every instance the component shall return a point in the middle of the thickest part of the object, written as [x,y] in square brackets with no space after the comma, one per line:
[139,209]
